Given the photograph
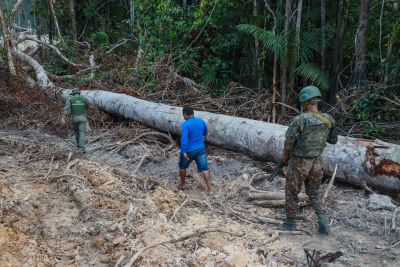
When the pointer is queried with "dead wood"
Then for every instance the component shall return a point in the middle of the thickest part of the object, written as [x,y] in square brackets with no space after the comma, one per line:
[265,195]
[55,49]
[314,258]
[328,189]
[180,239]
[178,209]
[273,203]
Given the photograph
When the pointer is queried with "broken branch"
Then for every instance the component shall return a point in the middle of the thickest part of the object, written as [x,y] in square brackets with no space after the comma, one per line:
[177,240]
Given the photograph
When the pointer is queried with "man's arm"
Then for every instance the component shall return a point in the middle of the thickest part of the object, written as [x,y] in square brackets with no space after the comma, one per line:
[333,136]
[292,136]
[184,138]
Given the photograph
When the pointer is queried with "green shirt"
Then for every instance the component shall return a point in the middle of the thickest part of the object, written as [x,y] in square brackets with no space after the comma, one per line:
[76,106]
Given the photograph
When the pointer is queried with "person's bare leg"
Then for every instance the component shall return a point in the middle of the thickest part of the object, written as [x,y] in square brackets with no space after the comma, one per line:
[207,178]
[182,175]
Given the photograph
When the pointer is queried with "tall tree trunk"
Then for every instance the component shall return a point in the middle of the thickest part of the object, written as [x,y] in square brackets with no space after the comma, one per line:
[359,75]
[338,52]
[37,26]
[73,20]
[257,50]
[285,64]
[360,162]
[297,41]
[53,14]
[275,66]
[7,43]
[323,34]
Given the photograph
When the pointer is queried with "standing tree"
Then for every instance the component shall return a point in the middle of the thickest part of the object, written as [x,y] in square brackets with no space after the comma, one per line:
[73,19]
[7,41]
[359,74]
[285,65]
[323,33]
[338,51]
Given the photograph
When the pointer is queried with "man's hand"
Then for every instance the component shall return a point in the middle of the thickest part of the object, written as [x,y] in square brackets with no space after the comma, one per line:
[62,120]
[185,156]
[286,157]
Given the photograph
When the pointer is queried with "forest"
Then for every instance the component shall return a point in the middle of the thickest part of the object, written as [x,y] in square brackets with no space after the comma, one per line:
[240,65]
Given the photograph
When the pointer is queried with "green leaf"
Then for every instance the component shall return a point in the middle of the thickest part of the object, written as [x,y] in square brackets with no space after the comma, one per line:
[272,41]
[314,74]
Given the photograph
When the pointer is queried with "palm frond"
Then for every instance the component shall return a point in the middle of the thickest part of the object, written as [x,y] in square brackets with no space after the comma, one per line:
[310,42]
[272,41]
[314,74]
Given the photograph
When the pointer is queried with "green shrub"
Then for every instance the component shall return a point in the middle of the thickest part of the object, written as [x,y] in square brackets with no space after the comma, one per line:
[100,40]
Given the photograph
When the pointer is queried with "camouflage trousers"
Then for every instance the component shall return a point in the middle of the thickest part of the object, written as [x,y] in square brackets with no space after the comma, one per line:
[307,171]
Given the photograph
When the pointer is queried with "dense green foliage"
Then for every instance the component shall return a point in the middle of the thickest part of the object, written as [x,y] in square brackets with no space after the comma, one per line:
[216,42]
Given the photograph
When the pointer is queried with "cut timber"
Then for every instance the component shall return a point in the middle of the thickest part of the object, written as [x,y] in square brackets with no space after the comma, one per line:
[273,196]
[376,164]
[273,203]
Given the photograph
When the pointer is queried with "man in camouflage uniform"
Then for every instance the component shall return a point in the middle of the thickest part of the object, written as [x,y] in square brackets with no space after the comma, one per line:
[76,106]
[305,141]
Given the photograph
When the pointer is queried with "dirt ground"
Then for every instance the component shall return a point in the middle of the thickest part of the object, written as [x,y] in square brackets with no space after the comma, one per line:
[57,209]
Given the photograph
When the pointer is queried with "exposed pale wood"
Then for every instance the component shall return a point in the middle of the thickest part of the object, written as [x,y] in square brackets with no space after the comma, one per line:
[375,164]
[273,196]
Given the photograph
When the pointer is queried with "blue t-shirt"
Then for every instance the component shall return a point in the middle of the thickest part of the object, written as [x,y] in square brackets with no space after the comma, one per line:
[193,132]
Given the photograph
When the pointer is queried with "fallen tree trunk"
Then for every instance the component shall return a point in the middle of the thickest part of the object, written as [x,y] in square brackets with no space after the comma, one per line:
[273,203]
[273,196]
[376,164]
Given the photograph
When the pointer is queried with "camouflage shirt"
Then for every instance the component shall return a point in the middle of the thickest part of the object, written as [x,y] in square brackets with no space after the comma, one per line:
[308,133]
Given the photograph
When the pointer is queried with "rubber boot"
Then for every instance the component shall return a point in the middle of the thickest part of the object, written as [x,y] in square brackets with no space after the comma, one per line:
[289,225]
[324,227]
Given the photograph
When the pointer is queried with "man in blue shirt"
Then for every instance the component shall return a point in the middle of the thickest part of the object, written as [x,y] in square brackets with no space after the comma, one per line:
[192,147]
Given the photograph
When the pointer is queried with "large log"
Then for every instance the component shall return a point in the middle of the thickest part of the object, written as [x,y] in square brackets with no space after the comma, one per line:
[360,162]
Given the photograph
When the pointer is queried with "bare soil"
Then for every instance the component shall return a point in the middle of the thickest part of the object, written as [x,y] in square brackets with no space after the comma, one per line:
[58,209]
[61,210]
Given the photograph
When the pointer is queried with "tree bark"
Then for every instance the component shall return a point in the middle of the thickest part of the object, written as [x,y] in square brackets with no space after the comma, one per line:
[53,14]
[257,50]
[338,52]
[359,75]
[285,64]
[275,67]
[323,33]
[376,164]
[297,41]
[7,43]
[73,20]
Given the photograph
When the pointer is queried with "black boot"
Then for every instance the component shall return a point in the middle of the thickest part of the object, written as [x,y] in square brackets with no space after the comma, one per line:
[324,227]
[289,225]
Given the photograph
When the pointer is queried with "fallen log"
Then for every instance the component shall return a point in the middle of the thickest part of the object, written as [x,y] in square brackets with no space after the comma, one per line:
[273,203]
[272,196]
[374,163]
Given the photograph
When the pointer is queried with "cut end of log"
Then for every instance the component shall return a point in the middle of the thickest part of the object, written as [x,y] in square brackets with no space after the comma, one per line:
[388,167]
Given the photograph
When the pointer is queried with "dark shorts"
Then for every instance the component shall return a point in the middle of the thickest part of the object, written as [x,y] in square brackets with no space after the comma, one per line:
[199,156]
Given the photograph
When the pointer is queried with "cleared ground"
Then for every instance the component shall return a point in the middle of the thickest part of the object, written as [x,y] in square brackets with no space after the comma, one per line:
[60,210]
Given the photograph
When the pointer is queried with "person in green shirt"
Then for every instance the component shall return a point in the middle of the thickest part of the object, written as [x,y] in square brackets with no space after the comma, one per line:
[305,141]
[77,106]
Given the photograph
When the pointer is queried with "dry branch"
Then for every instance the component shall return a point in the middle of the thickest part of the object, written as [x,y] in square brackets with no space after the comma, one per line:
[376,165]
[177,240]
[328,189]
[55,49]
[272,203]
[264,195]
